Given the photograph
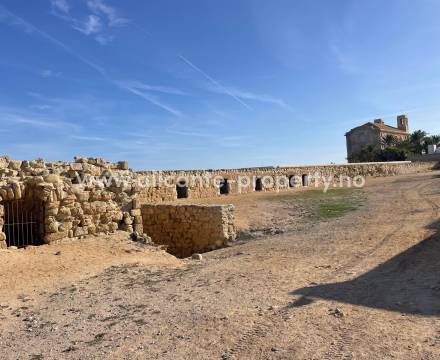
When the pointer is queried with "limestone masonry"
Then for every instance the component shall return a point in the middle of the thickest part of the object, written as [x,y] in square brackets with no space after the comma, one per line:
[189,229]
[46,202]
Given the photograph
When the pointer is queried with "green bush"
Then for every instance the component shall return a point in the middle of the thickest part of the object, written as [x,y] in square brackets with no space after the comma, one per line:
[393,153]
[373,154]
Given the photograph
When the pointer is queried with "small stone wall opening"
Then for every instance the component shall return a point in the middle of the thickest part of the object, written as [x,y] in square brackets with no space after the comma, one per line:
[258,184]
[23,223]
[224,187]
[305,180]
[292,181]
[182,189]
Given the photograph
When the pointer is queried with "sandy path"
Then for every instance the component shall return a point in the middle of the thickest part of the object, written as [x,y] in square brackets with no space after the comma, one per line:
[364,286]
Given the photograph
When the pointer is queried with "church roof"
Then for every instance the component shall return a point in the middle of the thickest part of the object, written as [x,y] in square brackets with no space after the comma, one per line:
[388,128]
[382,128]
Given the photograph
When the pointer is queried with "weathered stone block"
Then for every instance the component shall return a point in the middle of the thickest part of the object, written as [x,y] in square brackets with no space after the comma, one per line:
[4,162]
[122,165]
[188,228]
[80,231]
[48,238]
[135,212]
[52,178]
[15,164]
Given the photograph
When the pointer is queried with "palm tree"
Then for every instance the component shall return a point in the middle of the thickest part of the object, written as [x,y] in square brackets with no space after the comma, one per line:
[431,140]
[389,140]
[417,141]
[435,139]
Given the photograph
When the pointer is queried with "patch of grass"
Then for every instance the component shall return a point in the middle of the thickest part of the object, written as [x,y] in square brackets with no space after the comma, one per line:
[316,194]
[334,210]
[332,204]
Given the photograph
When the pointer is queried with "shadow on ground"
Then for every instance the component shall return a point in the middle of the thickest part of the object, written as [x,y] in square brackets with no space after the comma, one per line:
[407,283]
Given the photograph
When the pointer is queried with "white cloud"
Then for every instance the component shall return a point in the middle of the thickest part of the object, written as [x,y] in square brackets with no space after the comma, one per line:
[92,25]
[18,117]
[41,107]
[96,23]
[211,80]
[343,59]
[99,7]
[60,5]
[141,90]
[154,88]
[87,138]
[191,133]
[103,39]
[152,99]
[247,95]
[8,18]
[236,94]
[46,73]
[220,140]
[12,19]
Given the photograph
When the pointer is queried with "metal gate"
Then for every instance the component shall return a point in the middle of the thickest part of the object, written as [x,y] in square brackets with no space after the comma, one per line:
[22,223]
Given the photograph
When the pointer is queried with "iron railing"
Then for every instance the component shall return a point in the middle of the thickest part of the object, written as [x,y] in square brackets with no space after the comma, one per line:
[22,225]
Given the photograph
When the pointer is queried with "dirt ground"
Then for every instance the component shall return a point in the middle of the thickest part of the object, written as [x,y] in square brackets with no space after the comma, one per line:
[267,213]
[361,285]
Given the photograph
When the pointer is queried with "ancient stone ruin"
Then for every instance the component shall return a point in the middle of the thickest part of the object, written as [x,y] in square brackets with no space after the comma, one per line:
[44,202]
[188,229]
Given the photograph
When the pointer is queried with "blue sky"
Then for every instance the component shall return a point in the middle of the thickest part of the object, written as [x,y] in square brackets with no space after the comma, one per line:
[208,84]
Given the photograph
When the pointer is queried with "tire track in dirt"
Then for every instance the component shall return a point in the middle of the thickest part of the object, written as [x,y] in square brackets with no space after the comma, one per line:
[268,323]
[338,350]
[435,207]
[435,343]
[247,340]
[349,332]
[384,241]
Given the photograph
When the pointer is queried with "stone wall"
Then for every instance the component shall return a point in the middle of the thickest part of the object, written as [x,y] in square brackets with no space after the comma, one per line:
[201,184]
[188,229]
[90,196]
[2,234]
[71,210]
